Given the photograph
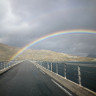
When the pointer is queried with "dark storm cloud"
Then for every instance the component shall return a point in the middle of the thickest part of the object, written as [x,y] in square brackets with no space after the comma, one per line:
[22,21]
[71,44]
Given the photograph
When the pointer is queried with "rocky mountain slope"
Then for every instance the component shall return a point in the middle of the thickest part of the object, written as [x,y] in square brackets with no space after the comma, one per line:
[6,52]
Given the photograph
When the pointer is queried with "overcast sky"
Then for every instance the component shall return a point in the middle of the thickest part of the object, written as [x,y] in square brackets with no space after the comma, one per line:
[22,21]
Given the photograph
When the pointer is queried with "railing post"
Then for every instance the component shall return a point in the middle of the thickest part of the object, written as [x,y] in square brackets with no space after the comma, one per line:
[48,66]
[9,64]
[79,76]
[44,65]
[65,71]
[51,67]
[1,65]
[56,68]
[4,64]
[41,63]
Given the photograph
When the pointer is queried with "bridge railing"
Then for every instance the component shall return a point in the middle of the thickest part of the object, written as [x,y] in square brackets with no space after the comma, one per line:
[82,74]
[6,64]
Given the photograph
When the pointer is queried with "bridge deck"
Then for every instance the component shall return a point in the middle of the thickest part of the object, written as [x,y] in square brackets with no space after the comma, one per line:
[25,79]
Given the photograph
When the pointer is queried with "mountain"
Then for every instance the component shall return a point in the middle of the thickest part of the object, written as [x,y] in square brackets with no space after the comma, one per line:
[6,52]
[92,55]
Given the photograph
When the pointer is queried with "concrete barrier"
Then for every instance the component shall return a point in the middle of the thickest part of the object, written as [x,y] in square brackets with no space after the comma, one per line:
[9,67]
[73,87]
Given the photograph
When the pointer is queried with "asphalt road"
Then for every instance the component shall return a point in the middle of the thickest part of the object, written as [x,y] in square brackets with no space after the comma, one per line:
[26,79]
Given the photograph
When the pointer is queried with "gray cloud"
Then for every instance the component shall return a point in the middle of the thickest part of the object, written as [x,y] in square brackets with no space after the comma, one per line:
[22,21]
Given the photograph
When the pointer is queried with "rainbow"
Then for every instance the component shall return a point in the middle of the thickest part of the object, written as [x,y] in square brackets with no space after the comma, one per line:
[50,36]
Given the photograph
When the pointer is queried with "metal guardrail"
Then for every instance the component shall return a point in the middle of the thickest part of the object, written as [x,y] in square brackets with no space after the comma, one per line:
[6,64]
[78,73]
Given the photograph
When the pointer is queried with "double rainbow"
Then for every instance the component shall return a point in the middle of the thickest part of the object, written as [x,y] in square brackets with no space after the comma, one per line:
[50,36]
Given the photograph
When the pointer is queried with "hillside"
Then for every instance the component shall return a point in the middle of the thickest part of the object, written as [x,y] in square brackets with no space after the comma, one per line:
[47,55]
[6,52]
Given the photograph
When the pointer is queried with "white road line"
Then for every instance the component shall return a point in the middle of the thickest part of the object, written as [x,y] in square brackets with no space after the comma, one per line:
[62,88]
[37,67]
[42,71]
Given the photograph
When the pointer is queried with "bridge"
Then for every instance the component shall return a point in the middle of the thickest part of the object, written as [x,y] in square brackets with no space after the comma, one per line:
[36,78]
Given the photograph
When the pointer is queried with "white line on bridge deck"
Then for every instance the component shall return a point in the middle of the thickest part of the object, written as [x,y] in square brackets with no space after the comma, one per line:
[62,88]
[42,72]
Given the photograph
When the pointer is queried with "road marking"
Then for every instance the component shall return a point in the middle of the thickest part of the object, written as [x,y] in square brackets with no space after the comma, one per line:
[62,88]
[42,71]
[36,66]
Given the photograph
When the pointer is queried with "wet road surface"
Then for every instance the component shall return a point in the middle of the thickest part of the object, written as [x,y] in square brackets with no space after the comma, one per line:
[25,79]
